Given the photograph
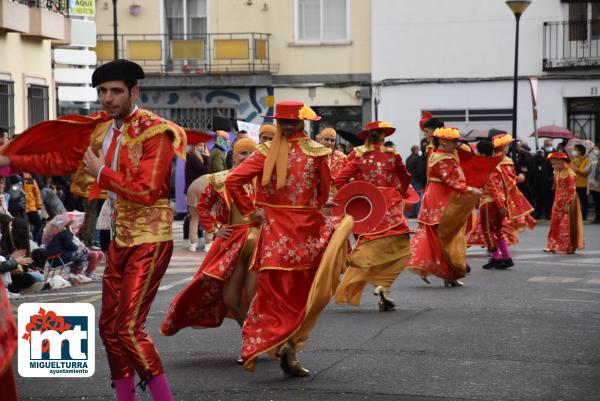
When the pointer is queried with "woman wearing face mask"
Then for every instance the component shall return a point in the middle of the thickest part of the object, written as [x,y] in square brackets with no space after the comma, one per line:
[594,181]
[581,165]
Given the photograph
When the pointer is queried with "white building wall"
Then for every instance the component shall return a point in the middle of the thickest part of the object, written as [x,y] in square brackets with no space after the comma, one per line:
[469,46]
[402,105]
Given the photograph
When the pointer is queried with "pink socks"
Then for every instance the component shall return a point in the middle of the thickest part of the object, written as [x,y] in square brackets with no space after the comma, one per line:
[503,246]
[125,389]
[159,387]
[495,254]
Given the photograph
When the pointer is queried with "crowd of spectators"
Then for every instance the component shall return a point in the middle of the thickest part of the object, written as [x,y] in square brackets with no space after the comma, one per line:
[28,204]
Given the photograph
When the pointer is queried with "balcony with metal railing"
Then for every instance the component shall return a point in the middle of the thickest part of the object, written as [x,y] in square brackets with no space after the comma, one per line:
[214,53]
[46,19]
[571,45]
[57,6]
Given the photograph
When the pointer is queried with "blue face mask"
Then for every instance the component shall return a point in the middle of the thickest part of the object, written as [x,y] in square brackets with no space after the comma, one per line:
[549,148]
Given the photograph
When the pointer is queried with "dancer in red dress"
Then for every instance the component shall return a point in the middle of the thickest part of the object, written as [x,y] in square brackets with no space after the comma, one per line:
[380,255]
[566,224]
[438,246]
[298,255]
[218,286]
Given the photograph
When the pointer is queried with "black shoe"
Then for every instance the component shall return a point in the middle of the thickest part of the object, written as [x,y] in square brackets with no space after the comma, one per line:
[468,269]
[505,264]
[490,264]
[385,304]
[426,279]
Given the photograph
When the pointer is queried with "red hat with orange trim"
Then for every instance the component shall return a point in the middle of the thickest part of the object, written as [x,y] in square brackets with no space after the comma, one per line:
[381,126]
[447,133]
[425,116]
[292,110]
[501,140]
[558,155]
[364,202]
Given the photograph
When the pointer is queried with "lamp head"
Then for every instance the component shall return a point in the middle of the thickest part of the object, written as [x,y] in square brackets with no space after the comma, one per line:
[518,7]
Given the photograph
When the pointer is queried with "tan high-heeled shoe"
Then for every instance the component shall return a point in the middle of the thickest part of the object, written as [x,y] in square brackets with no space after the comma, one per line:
[289,363]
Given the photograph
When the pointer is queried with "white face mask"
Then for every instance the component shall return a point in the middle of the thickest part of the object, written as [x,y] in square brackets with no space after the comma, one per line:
[574,153]
[549,148]
[596,152]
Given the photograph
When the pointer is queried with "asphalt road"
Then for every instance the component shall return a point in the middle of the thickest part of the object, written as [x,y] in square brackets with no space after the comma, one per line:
[528,333]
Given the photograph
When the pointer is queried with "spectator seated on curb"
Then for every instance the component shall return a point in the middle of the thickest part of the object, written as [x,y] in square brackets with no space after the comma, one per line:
[72,250]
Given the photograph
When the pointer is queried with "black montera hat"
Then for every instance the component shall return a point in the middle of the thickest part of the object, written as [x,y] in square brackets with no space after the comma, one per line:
[117,70]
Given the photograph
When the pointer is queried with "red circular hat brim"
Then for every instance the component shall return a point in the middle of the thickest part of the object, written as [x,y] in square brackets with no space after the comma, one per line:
[364,202]
[411,197]
[365,133]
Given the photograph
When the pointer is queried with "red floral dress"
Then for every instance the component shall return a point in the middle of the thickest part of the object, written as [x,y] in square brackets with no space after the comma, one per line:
[385,169]
[445,179]
[200,304]
[291,242]
[566,226]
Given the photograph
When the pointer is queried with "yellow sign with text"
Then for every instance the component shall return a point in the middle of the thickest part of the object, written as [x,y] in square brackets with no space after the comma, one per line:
[82,8]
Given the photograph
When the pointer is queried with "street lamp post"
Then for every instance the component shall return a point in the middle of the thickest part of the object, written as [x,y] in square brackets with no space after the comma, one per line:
[115,30]
[518,7]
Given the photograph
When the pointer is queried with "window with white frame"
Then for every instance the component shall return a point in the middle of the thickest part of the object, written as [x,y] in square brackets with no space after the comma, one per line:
[186,17]
[320,21]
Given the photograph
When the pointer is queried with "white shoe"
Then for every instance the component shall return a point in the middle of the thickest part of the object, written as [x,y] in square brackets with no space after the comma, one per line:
[83,279]
[192,247]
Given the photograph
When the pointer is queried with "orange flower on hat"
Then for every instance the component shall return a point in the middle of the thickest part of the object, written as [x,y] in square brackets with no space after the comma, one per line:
[306,113]
[501,140]
[447,133]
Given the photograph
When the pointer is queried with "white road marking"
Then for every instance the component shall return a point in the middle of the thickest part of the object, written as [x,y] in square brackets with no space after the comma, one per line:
[594,281]
[571,300]
[593,291]
[542,279]
[174,283]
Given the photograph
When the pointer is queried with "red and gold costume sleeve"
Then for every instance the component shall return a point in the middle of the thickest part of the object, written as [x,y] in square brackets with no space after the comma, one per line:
[55,163]
[495,189]
[349,171]
[207,201]
[149,182]
[402,173]
[241,175]
[450,173]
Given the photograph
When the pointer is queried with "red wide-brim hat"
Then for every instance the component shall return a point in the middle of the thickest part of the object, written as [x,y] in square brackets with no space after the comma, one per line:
[292,110]
[376,125]
[364,202]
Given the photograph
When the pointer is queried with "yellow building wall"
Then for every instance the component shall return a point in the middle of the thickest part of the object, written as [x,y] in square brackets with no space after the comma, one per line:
[294,59]
[320,96]
[148,21]
[22,58]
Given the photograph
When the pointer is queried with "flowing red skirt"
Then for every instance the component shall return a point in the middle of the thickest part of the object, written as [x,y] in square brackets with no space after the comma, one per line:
[427,254]
[200,304]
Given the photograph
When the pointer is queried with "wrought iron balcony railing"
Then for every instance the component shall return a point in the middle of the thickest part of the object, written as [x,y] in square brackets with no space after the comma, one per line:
[215,53]
[58,6]
[571,45]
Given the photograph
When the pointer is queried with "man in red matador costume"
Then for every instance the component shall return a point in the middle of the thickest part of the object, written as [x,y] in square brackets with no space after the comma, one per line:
[566,224]
[219,283]
[126,151]
[336,159]
[503,209]
[438,246]
[299,254]
[380,255]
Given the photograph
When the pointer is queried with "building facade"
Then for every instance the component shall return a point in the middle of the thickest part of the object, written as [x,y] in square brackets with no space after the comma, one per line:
[235,59]
[28,30]
[456,60]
